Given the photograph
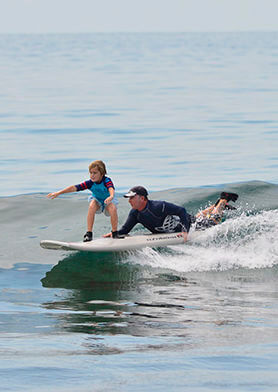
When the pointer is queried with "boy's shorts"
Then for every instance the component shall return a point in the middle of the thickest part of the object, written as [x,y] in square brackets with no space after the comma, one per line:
[102,206]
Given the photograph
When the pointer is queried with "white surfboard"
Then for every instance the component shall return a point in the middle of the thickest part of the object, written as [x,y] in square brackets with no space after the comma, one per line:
[119,244]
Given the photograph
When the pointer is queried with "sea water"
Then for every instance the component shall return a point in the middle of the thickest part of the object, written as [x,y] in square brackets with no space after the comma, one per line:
[187,116]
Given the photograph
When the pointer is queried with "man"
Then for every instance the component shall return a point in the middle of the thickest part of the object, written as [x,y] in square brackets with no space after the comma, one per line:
[156,216]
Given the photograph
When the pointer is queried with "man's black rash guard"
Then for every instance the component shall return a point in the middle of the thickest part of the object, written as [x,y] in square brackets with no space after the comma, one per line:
[153,216]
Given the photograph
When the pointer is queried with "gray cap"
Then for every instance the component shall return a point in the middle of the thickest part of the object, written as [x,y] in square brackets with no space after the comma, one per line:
[137,190]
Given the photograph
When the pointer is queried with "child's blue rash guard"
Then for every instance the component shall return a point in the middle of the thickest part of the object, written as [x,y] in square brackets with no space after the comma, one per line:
[99,190]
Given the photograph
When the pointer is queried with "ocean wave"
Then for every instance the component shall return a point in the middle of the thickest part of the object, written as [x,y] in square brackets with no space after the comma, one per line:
[247,241]
[247,238]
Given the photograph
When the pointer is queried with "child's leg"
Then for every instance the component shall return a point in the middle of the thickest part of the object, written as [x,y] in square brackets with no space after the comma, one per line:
[112,210]
[93,207]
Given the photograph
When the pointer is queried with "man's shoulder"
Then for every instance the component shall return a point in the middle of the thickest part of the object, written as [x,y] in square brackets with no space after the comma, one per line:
[163,205]
[133,212]
[133,215]
[155,204]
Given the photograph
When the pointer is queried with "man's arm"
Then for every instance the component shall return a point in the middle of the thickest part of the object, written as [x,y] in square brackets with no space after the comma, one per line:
[130,222]
[128,226]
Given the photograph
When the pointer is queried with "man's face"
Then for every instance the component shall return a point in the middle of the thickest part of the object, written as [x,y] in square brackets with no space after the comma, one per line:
[137,202]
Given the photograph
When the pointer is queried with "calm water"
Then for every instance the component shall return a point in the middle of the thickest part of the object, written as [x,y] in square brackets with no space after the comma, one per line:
[166,110]
[180,114]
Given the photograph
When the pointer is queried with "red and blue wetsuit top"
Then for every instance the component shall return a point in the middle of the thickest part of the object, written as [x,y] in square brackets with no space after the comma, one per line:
[99,189]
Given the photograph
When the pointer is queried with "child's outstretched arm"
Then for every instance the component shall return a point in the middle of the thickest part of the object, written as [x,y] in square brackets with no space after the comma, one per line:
[69,189]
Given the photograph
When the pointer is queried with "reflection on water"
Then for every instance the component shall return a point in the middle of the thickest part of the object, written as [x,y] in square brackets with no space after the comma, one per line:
[111,297]
[105,294]
[84,270]
[117,317]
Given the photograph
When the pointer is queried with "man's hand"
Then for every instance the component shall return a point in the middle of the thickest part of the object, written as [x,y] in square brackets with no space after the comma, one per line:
[108,235]
[185,235]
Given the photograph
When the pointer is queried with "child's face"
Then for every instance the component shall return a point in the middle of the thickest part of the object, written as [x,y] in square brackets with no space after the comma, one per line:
[95,174]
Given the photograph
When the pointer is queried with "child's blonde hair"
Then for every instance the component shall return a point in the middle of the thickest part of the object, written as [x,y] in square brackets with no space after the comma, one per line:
[99,165]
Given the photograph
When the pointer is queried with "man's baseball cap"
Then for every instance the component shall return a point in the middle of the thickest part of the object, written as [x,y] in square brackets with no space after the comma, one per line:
[137,190]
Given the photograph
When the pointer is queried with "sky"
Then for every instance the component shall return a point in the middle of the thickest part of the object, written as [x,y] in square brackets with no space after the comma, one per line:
[84,16]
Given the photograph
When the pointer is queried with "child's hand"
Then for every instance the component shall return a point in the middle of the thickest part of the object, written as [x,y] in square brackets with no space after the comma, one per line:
[108,200]
[53,195]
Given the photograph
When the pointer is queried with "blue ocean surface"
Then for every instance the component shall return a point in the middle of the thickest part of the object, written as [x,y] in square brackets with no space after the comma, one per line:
[163,110]
[186,115]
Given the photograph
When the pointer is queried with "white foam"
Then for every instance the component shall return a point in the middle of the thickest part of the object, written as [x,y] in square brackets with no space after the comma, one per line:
[243,242]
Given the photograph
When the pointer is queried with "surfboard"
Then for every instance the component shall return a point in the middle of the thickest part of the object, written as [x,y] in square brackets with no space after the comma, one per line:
[117,245]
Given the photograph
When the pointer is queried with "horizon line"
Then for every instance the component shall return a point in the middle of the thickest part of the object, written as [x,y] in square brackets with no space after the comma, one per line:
[137,32]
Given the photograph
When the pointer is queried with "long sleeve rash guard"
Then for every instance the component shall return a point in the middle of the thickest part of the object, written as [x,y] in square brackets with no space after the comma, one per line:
[153,217]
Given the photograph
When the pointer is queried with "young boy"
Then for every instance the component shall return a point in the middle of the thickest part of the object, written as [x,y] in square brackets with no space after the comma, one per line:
[102,199]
